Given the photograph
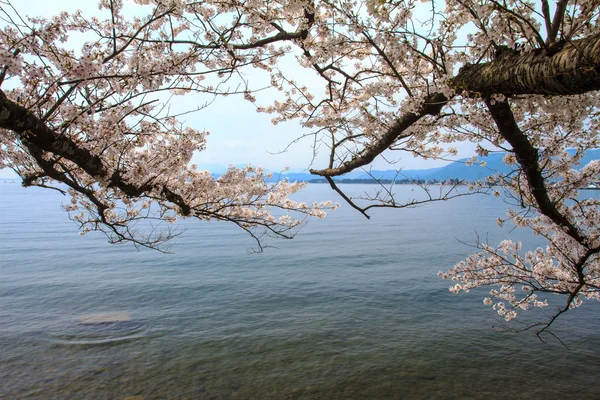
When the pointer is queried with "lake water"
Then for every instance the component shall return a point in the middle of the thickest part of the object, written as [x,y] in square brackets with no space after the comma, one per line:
[349,309]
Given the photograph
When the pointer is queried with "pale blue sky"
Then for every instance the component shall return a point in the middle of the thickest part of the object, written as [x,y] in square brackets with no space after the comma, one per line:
[239,135]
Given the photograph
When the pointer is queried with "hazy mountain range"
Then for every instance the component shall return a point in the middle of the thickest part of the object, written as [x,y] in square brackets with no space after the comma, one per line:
[455,170]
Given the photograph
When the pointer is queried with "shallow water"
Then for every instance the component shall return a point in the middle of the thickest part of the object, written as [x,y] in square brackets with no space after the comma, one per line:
[349,309]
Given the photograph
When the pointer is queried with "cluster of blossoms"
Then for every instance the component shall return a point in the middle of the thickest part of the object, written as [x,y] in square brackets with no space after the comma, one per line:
[521,278]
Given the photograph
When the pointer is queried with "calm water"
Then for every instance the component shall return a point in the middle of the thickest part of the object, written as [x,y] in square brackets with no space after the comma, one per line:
[349,309]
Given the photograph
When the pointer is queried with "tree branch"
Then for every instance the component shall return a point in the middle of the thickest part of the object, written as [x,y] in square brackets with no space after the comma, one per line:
[432,106]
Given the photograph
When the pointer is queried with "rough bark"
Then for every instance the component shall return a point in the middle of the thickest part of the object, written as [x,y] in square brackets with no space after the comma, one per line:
[563,69]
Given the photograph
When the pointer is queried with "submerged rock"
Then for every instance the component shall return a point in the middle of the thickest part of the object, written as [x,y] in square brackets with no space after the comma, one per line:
[104,318]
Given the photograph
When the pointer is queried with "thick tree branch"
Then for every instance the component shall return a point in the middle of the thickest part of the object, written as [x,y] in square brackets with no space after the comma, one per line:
[527,156]
[566,69]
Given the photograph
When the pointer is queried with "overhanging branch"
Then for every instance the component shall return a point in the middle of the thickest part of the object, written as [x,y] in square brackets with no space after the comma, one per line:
[569,68]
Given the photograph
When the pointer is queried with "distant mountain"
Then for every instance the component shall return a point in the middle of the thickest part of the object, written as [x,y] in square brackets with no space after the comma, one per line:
[455,170]
[494,164]
[460,170]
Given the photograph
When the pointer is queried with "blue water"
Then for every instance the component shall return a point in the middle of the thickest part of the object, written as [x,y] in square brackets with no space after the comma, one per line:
[349,309]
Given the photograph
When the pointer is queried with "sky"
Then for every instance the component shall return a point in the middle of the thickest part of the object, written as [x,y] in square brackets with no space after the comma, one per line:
[238,134]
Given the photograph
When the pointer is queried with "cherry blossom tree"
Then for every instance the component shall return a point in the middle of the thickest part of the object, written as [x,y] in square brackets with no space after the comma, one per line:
[381,76]
[92,122]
